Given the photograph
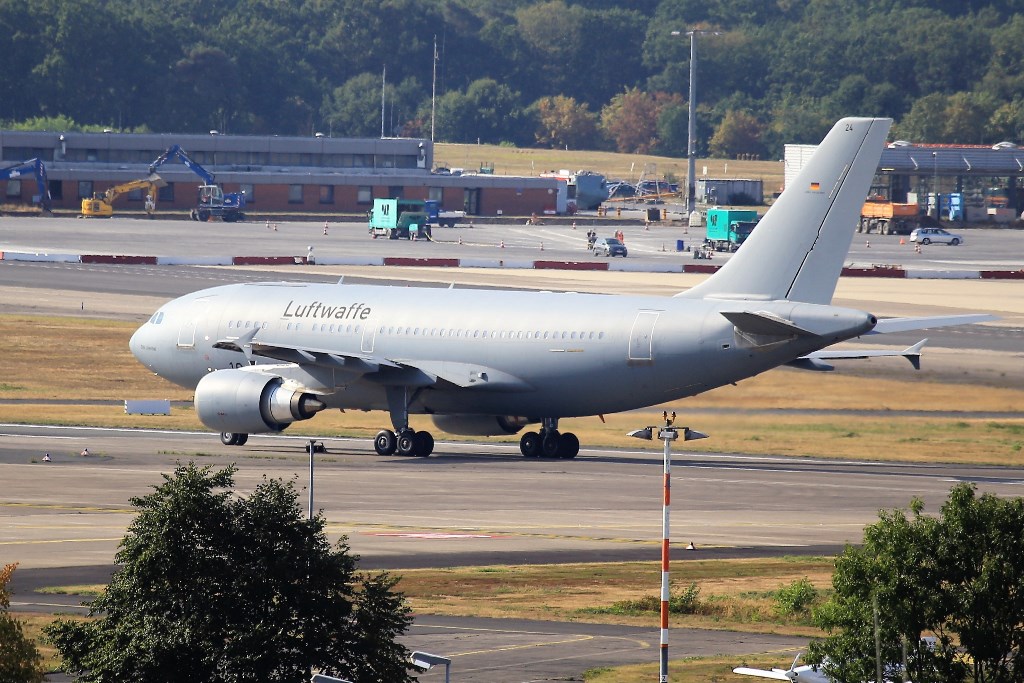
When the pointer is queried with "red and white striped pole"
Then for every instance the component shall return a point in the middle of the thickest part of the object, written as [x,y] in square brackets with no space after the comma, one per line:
[668,434]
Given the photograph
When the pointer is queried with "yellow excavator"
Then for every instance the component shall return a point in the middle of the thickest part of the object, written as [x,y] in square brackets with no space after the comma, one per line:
[101,205]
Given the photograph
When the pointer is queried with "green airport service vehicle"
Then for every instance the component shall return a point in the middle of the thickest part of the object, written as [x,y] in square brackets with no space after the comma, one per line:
[399,219]
[727,229]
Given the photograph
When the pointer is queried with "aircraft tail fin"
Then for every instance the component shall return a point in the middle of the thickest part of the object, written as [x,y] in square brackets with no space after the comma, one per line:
[797,250]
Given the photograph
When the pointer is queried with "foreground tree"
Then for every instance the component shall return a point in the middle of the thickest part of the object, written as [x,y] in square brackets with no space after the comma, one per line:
[219,588]
[19,659]
[957,577]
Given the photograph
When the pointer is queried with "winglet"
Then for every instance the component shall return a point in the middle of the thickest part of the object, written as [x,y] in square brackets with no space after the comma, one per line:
[913,353]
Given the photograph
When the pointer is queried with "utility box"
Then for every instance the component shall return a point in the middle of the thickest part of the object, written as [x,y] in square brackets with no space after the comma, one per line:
[147,407]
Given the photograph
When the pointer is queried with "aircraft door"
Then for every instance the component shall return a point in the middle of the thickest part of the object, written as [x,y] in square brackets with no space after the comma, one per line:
[369,336]
[641,337]
[187,331]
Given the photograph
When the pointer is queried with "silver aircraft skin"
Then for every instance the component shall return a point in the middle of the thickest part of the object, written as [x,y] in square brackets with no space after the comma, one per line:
[261,356]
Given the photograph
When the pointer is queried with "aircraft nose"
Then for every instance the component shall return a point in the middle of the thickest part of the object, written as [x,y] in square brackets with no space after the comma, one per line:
[142,346]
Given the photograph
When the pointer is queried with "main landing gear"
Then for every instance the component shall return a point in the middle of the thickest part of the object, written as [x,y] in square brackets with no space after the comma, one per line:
[549,443]
[404,440]
[233,439]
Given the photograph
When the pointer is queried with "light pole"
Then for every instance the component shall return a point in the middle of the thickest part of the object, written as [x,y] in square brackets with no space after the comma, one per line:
[668,434]
[691,159]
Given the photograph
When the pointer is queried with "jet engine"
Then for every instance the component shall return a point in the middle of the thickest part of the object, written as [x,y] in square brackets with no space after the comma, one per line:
[244,402]
[481,425]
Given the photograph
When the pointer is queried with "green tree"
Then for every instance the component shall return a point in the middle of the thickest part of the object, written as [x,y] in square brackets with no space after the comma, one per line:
[20,661]
[564,122]
[219,588]
[738,133]
[957,577]
[630,120]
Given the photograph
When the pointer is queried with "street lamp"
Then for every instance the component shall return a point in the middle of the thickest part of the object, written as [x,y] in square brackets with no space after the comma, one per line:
[425,660]
[668,434]
[691,160]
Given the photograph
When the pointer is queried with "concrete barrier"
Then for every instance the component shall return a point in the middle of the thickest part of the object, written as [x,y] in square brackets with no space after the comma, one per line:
[38,257]
[700,268]
[121,259]
[625,265]
[268,260]
[494,263]
[194,260]
[943,274]
[570,265]
[422,262]
[875,271]
[1001,274]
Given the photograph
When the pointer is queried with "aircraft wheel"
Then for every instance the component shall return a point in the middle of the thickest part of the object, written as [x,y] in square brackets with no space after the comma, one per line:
[229,438]
[550,444]
[407,442]
[385,442]
[240,439]
[529,444]
[568,446]
[424,443]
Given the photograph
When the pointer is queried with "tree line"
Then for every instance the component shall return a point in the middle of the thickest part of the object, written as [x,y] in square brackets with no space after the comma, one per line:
[590,74]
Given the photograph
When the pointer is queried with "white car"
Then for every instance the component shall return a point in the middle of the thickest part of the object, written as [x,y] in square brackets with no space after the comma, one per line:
[937,235]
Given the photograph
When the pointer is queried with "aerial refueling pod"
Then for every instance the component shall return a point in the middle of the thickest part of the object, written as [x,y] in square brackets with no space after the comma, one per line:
[241,402]
[481,425]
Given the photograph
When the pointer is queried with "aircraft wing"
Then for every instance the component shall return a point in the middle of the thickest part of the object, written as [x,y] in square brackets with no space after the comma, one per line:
[378,368]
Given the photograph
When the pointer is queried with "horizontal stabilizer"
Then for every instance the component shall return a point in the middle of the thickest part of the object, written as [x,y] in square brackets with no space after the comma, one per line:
[764,323]
[889,325]
[911,353]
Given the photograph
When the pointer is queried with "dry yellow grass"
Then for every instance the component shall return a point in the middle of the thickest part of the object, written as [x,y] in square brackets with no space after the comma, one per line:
[531,162]
[736,593]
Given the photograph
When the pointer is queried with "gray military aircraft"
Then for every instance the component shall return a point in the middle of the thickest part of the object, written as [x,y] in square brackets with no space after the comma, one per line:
[262,356]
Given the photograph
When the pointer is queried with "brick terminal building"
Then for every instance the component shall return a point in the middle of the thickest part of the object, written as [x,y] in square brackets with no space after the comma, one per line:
[319,174]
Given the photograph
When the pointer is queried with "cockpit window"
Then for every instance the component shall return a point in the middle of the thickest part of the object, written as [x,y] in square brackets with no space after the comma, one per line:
[157,318]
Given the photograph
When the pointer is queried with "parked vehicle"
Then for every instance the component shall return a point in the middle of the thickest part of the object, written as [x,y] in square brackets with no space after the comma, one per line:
[727,229]
[101,205]
[609,246]
[887,218]
[212,201]
[398,219]
[937,235]
[36,168]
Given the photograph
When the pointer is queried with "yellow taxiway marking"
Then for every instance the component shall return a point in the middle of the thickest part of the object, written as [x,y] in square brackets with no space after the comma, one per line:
[63,540]
[56,506]
[574,639]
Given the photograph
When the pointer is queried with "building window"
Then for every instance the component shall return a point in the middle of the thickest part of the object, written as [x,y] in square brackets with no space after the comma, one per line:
[13,188]
[364,195]
[249,190]
[435,193]
[327,194]
[85,189]
[165,193]
[57,189]
[395,191]
[295,194]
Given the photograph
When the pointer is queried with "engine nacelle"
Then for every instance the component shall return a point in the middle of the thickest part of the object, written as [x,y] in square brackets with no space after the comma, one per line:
[480,425]
[243,402]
